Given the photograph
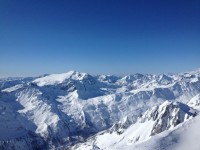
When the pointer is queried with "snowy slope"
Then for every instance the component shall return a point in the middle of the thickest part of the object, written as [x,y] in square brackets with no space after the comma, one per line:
[195,102]
[154,121]
[63,109]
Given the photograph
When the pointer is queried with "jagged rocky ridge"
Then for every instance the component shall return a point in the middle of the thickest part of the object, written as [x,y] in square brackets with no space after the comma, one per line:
[153,121]
[63,109]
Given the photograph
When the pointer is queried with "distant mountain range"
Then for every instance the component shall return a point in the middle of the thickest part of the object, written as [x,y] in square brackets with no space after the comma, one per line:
[76,110]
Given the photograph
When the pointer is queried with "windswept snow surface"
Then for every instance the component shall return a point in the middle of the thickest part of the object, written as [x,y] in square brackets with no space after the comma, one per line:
[76,110]
[58,78]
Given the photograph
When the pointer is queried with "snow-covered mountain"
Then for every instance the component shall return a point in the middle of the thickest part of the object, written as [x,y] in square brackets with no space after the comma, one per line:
[154,121]
[60,111]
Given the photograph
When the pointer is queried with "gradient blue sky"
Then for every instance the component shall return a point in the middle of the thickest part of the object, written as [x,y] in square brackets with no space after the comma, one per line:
[98,36]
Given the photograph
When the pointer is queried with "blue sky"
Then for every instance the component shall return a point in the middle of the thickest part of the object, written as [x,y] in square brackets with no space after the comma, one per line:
[99,36]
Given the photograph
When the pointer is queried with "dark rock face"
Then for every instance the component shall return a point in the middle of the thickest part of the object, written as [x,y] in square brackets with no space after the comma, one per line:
[29,141]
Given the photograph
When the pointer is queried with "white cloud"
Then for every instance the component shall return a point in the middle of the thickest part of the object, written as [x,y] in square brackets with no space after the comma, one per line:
[190,139]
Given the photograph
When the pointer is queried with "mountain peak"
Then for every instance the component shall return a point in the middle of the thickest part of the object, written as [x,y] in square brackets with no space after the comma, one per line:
[71,106]
[59,78]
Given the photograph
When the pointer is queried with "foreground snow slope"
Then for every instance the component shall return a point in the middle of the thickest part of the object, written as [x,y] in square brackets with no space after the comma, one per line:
[60,110]
[154,121]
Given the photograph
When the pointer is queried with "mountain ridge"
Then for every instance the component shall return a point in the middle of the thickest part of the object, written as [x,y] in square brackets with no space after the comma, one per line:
[64,109]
